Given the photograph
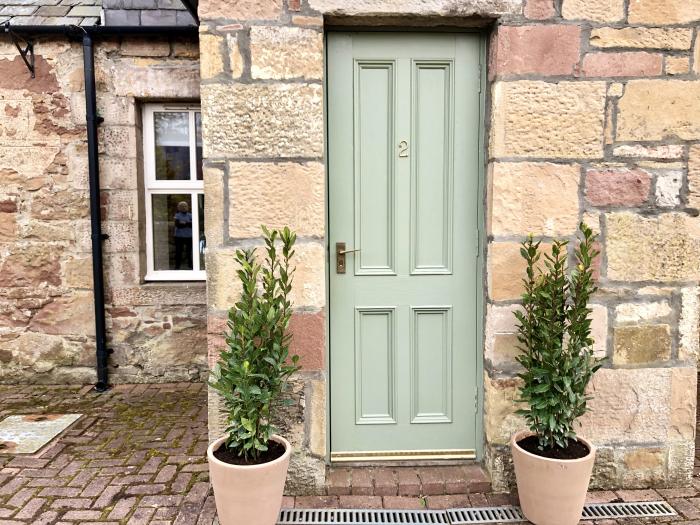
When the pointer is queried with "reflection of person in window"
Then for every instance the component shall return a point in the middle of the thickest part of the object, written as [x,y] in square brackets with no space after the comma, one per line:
[183,236]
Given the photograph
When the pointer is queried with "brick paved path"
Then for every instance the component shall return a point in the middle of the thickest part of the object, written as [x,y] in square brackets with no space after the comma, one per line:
[138,457]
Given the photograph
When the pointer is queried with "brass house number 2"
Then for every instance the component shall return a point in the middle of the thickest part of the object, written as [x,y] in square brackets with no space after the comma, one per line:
[403,148]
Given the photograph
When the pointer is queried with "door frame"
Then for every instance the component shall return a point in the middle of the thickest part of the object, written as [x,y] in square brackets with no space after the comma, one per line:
[481,284]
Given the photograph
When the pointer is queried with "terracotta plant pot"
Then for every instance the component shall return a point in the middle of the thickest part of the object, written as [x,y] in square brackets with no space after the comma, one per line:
[248,495]
[551,491]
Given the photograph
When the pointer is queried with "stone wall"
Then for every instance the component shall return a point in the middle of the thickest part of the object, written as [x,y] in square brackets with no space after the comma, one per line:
[592,115]
[158,332]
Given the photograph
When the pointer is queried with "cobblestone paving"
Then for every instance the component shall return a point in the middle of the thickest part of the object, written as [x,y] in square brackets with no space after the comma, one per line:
[138,457]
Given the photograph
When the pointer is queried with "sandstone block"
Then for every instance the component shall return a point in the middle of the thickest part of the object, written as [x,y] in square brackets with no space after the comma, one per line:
[77,272]
[116,173]
[663,12]
[668,188]
[235,59]
[696,57]
[539,9]
[669,151]
[628,405]
[119,141]
[540,119]
[634,313]
[644,458]
[617,187]
[240,9]
[307,21]
[8,227]
[642,37]
[627,64]
[536,49]
[683,404]
[25,166]
[144,48]
[294,196]
[165,294]
[506,269]
[599,329]
[500,419]
[501,344]
[214,209]
[594,10]
[40,352]
[211,56]
[642,466]
[223,286]
[662,248]
[176,79]
[264,120]
[659,109]
[676,65]
[182,345]
[185,49]
[315,415]
[538,198]
[694,176]
[309,339]
[31,266]
[688,325]
[69,204]
[482,8]
[644,344]
[503,350]
[286,52]
[70,314]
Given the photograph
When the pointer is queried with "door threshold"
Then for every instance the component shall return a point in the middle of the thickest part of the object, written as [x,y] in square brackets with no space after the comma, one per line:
[412,457]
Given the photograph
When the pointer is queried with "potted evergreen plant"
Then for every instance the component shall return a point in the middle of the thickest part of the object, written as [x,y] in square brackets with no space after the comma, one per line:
[553,465]
[248,466]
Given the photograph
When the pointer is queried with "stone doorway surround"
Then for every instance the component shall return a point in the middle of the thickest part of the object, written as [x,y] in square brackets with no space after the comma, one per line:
[580,128]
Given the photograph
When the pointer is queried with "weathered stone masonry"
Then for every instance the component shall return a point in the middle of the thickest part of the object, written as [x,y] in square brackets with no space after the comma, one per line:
[157,332]
[593,114]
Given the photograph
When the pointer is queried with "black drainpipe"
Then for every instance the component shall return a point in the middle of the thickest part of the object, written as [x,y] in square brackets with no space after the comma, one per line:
[92,121]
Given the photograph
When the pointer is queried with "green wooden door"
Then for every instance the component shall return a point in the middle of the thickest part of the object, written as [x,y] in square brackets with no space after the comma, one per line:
[403,120]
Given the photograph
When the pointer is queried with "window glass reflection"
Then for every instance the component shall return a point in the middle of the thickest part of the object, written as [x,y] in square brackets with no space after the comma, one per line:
[198,140]
[172,232]
[202,239]
[172,144]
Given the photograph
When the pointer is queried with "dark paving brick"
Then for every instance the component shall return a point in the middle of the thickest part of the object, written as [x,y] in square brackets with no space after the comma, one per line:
[136,457]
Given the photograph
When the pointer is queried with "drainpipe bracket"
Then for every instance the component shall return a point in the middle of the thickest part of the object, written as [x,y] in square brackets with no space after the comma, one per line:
[28,49]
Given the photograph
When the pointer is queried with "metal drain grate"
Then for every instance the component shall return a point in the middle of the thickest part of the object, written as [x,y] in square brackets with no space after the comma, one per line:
[485,515]
[360,517]
[593,511]
[646,509]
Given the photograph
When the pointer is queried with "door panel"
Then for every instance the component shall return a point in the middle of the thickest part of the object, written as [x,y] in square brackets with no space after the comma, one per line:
[374,170]
[403,120]
[431,176]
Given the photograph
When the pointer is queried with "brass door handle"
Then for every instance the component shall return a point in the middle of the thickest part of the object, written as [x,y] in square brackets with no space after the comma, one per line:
[340,253]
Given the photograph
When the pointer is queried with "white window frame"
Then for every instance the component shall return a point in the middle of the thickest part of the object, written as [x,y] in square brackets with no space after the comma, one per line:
[193,187]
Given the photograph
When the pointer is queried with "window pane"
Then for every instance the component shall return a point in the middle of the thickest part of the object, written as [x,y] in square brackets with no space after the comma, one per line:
[202,238]
[172,232]
[172,145]
[198,139]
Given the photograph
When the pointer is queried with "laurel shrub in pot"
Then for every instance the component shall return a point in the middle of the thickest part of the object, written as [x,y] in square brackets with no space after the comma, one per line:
[248,465]
[553,465]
